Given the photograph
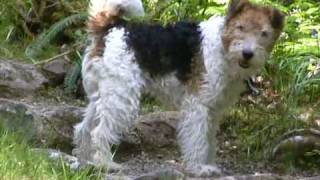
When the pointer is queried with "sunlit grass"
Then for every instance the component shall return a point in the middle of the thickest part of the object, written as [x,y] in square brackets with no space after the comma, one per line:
[18,161]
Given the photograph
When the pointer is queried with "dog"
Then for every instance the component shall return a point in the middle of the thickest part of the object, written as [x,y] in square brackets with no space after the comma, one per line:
[200,68]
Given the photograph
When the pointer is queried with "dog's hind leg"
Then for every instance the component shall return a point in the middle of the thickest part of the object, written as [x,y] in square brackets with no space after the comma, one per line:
[117,108]
[193,137]
[120,86]
[82,137]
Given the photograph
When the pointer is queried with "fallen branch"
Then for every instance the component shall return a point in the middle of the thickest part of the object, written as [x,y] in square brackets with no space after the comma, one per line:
[54,57]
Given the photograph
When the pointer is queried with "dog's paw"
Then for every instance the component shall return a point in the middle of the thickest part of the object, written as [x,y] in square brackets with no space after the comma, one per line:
[106,163]
[109,166]
[113,167]
[201,170]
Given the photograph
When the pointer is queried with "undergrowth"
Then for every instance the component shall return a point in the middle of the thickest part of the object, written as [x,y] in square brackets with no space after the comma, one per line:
[18,161]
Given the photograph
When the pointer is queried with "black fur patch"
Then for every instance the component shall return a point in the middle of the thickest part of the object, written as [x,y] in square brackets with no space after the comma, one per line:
[164,49]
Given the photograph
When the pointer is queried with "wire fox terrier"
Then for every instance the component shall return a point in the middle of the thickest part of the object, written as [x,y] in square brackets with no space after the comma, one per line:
[199,67]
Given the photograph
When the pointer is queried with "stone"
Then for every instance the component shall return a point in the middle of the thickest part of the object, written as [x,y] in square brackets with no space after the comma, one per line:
[158,129]
[18,118]
[48,125]
[56,70]
[169,174]
[18,79]
[295,144]
[117,177]
[56,155]
[52,125]
[256,177]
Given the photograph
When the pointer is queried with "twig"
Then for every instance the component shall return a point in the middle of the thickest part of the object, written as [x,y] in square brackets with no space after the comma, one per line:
[9,33]
[26,29]
[54,57]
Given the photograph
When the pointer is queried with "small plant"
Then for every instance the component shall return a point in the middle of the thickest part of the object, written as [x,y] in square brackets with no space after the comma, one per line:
[72,78]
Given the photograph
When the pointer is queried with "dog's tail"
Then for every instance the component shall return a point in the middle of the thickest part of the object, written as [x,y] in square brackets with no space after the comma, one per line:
[103,13]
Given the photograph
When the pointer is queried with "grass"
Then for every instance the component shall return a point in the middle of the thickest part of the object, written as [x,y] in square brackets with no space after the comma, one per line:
[254,131]
[18,161]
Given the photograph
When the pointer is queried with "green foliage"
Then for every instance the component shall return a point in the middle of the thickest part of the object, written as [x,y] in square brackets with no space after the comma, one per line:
[23,20]
[297,57]
[43,40]
[72,78]
[19,161]
[175,10]
[8,29]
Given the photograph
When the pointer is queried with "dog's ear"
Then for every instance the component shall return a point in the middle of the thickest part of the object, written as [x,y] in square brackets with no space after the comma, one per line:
[277,19]
[235,7]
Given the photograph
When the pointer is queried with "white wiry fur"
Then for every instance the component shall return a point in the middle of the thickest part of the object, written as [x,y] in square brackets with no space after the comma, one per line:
[114,83]
[197,131]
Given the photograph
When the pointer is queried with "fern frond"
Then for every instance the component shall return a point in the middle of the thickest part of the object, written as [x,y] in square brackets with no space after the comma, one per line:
[73,76]
[36,47]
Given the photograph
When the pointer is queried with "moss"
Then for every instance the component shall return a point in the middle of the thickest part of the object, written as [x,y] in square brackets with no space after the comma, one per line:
[17,119]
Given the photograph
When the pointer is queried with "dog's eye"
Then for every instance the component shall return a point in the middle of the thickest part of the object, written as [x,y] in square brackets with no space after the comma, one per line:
[240,27]
[264,34]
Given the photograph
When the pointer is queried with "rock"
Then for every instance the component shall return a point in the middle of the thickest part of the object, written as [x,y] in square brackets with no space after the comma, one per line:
[117,177]
[56,70]
[58,122]
[158,129]
[18,79]
[52,126]
[295,144]
[256,177]
[48,125]
[56,155]
[166,173]
[169,174]
[18,117]
[311,178]
[139,163]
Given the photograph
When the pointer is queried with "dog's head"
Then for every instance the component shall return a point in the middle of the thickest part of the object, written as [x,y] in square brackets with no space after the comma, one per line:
[250,33]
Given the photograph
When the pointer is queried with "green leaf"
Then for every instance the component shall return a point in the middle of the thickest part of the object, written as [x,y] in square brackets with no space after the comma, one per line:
[36,47]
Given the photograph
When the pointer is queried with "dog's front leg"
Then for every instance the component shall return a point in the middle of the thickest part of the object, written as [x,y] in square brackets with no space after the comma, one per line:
[193,137]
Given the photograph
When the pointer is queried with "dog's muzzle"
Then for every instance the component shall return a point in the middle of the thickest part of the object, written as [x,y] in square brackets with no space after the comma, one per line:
[247,56]
[244,65]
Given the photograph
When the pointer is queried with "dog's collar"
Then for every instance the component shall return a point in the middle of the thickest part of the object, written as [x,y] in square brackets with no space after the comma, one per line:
[251,85]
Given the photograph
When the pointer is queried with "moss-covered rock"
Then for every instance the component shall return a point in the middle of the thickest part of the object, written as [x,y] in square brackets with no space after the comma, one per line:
[51,126]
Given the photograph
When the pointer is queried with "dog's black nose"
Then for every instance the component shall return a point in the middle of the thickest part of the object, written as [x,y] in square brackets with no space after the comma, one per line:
[247,54]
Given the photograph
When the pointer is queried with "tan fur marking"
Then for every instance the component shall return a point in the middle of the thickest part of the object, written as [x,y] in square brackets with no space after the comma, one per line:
[251,21]
[196,76]
[97,27]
